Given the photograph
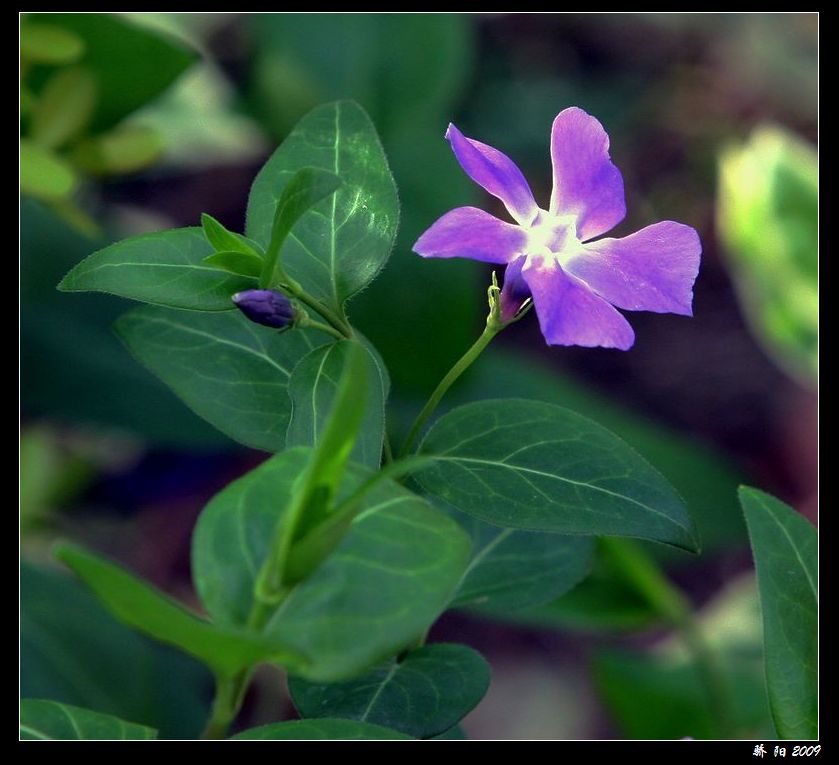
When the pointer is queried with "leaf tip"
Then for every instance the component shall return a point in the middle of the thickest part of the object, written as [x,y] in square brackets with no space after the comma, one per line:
[65,552]
[67,284]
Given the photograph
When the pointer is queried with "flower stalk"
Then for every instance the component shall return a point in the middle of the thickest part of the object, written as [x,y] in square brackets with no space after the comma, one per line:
[494,324]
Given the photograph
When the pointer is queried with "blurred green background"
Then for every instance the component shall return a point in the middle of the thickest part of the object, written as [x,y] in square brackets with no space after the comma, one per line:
[136,122]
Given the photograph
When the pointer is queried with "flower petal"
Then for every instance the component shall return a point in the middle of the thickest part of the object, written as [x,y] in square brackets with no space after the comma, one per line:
[569,312]
[515,290]
[586,183]
[651,270]
[496,172]
[467,232]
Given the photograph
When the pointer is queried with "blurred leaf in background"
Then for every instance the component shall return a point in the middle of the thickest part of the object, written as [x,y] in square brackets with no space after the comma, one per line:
[408,71]
[82,74]
[659,694]
[198,116]
[50,474]
[768,222]
[75,652]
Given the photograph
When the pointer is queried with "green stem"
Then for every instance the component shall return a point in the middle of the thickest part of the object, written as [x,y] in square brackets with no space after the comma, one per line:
[229,694]
[456,371]
[311,324]
[334,320]
[651,583]
[230,691]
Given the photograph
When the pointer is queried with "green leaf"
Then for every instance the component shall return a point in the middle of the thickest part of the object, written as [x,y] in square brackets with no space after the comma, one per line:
[768,214]
[452,734]
[345,730]
[43,174]
[529,465]
[340,245]
[306,188]
[706,481]
[382,61]
[605,600]
[239,263]
[120,151]
[784,545]
[223,240]
[228,370]
[313,388]
[64,107]
[592,605]
[423,694]
[512,569]
[75,652]
[391,576]
[165,268]
[48,44]
[51,721]
[133,64]
[149,611]
[325,472]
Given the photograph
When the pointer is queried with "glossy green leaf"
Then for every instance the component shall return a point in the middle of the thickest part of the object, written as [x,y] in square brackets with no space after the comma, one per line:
[43,174]
[529,465]
[228,370]
[768,214]
[51,721]
[512,569]
[706,481]
[313,387]
[393,573]
[148,610]
[64,106]
[120,151]
[223,240]
[340,245]
[425,693]
[384,62]
[239,263]
[75,652]
[303,191]
[785,545]
[307,730]
[48,44]
[165,268]
[133,63]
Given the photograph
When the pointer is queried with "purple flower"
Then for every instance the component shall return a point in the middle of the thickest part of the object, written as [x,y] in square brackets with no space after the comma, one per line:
[553,256]
[267,307]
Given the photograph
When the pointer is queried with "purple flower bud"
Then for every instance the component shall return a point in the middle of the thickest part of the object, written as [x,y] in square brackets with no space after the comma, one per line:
[267,307]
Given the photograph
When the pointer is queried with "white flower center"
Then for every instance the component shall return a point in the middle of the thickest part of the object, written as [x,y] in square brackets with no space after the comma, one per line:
[552,239]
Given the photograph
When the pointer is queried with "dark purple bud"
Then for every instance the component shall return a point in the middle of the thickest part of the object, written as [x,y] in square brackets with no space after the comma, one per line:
[267,307]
